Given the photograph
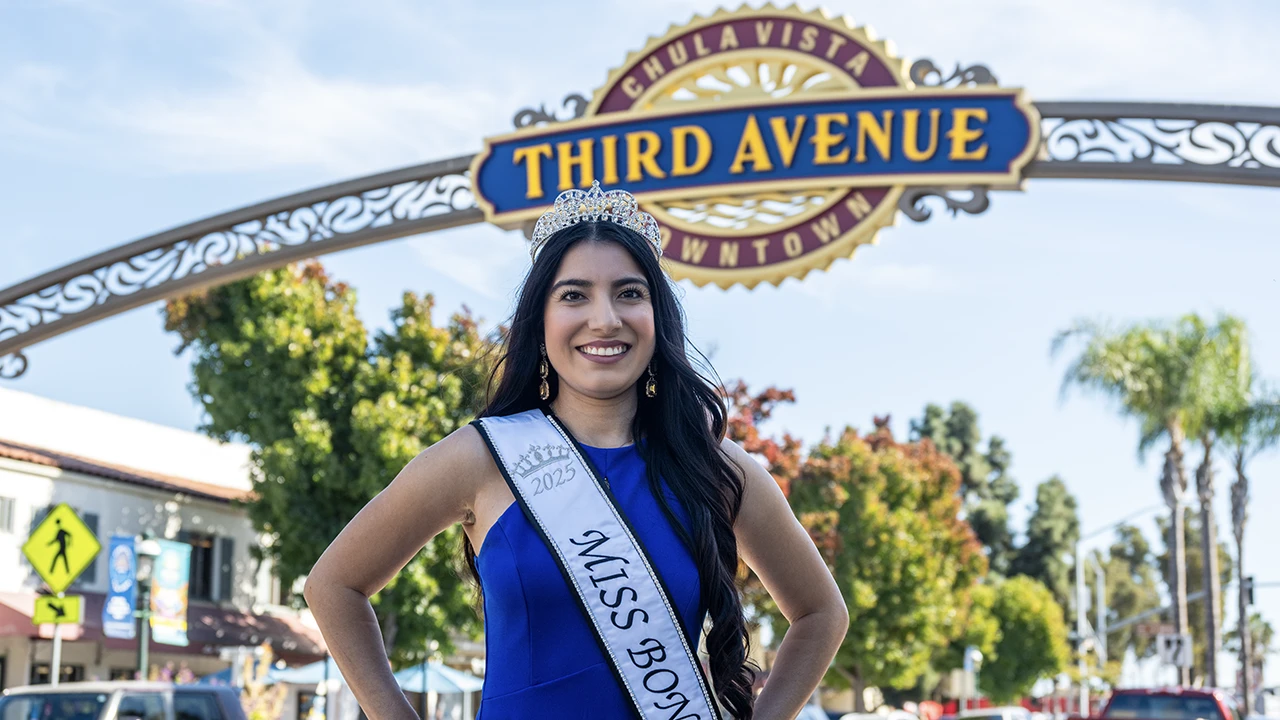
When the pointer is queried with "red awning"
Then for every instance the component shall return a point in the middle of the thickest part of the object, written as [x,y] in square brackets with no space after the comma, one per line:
[209,628]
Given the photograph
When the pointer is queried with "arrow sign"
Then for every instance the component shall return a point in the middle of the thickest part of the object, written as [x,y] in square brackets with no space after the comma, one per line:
[61,547]
[66,610]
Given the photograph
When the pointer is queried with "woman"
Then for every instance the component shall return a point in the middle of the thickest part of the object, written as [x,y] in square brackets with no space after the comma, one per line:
[643,502]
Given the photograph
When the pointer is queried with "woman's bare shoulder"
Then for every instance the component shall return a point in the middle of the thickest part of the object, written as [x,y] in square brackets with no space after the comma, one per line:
[453,471]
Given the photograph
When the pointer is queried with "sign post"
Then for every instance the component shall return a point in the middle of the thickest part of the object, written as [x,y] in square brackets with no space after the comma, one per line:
[59,549]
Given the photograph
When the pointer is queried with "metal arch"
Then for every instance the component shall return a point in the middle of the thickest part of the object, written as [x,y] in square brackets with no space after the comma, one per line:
[1096,140]
[233,245]
[1232,144]
[1227,144]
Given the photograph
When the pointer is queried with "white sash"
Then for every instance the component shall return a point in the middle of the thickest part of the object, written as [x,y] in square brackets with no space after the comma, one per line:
[604,563]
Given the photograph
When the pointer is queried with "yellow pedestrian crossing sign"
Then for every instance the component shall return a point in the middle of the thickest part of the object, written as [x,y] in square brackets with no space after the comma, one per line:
[61,547]
[66,610]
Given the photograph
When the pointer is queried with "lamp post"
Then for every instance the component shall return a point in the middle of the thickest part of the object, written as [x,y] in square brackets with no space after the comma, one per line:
[148,550]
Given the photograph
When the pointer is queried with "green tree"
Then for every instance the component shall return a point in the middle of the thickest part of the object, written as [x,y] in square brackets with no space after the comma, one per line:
[1261,636]
[1052,533]
[1246,432]
[281,361]
[886,518]
[1153,371]
[984,475]
[1033,640]
[782,458]
[1222,389]
[1196,583]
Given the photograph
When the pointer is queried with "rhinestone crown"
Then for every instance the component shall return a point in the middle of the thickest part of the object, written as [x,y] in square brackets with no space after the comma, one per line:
[595,205]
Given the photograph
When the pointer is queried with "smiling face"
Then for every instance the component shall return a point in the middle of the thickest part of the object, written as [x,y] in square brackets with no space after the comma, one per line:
[599,321]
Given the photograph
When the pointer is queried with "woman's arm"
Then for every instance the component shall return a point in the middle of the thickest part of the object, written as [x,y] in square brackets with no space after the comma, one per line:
[431,493]
[777,548]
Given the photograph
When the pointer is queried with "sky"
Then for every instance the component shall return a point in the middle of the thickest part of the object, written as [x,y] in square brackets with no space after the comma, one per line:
[121,120]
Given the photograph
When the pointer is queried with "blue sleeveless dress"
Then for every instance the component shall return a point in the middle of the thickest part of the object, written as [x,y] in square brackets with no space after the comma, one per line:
[542,660]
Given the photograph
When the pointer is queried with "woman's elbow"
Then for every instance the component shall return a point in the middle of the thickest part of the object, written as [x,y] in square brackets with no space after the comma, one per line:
[318,585]
[312,590]
[839,613]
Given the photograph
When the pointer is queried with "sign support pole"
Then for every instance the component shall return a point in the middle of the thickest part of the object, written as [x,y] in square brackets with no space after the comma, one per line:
[55,665]
[1081,631]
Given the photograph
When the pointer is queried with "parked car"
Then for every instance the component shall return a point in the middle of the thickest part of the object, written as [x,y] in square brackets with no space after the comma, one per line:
[1011,712]
[1169,704]
[890,715]
[121,700]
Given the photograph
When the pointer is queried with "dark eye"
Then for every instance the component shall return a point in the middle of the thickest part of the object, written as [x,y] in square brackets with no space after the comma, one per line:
[633,293]
[571,296]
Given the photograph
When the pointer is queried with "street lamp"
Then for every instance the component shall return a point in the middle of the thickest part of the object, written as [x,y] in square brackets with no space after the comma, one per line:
[148,550]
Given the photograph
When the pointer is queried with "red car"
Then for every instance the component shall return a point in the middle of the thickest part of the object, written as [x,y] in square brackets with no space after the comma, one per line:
[1169,704]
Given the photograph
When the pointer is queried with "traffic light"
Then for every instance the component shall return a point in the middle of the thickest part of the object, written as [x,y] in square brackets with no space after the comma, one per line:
[1247,589]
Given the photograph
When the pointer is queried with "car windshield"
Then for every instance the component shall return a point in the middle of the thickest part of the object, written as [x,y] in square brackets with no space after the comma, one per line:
[53,706]
[1160,707]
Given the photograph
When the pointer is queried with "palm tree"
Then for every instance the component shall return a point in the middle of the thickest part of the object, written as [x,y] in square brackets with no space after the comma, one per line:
[1221,386]
[1152,370]
[1250,430]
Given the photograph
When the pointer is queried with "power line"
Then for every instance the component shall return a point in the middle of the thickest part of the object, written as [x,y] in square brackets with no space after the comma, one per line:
[1121,521]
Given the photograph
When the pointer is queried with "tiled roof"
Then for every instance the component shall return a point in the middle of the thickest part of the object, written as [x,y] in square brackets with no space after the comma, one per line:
[85,466]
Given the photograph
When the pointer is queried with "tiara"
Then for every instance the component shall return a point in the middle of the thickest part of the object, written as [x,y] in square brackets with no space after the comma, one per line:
[595,205]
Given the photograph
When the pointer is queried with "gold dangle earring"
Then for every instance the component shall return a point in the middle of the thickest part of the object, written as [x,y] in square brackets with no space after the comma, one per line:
[544,369]
[651,387]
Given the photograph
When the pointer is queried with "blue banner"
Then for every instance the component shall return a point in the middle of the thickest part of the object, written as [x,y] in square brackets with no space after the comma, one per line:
[122,589]
[169,585]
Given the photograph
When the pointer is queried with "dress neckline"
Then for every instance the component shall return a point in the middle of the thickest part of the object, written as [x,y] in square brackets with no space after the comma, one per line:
[551,414]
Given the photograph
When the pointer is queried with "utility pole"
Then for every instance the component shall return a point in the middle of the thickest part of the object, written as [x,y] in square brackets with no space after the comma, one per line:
[1100,606]
[1239,518]
[1082,599]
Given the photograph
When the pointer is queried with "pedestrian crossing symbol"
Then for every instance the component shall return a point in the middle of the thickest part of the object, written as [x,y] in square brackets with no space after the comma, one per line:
[61,547]
[66,610]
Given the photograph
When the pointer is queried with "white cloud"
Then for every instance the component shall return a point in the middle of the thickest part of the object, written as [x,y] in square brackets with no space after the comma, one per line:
[280,114]
[484,260]
[1088,49]
[25,89]
[863,275]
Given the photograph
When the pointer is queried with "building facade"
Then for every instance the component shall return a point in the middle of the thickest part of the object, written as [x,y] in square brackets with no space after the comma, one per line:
[128,477]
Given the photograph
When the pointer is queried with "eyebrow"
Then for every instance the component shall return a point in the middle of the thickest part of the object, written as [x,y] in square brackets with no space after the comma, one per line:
[578,282]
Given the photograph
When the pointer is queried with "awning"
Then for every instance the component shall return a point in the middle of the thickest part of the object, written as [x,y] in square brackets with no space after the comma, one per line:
[438,678]
[209,629]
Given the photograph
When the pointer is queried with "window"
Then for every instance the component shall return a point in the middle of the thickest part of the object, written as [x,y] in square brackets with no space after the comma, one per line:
[194,706]
[200,586]
[6,514]
[1163,707]
[226,567]
[70,673]
[307,705]
[146,707]
[37,516]
[53,706]
[90,574]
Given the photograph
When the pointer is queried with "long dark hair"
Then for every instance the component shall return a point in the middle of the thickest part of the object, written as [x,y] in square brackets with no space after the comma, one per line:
[678,434]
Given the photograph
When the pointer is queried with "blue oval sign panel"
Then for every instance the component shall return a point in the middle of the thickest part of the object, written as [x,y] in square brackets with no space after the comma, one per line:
[766,142]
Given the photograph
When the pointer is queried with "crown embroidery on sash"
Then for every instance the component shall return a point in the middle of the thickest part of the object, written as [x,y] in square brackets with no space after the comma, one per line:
[539,457]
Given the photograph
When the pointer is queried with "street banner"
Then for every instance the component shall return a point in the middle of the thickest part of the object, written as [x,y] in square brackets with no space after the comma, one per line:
[169,582]
[122,589]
